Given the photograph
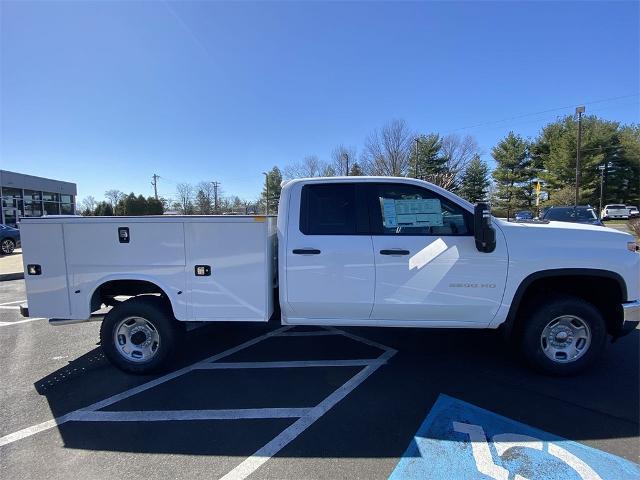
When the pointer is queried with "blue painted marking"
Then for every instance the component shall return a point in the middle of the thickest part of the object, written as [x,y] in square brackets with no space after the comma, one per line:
[502,449]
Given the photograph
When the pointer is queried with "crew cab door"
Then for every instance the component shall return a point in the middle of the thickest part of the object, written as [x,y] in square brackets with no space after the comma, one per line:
[428,269]
[329,256]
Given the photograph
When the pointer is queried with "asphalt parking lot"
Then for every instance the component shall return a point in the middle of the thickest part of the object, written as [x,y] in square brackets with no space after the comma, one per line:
[262,401]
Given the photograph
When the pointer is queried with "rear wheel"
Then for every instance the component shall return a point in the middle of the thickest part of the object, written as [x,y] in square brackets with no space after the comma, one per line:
[7,246]
[563,335]
[140,335]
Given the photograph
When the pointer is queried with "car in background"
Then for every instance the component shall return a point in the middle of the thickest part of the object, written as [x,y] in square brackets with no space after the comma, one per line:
[609,212]
[524,215]
[579,214]
[633,211]
[9,239]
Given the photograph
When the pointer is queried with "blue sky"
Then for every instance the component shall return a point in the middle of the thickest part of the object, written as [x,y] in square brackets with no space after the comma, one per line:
[107,93]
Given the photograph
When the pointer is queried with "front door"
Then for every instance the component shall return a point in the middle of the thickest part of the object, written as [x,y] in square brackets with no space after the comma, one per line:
[428,269]
[329,257]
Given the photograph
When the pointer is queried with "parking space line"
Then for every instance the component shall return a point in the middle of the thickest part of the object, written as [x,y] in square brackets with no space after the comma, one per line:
[10,307]
[29,431]
[255,461]
[26,320]
[11,303]
[292,364]
[179,415]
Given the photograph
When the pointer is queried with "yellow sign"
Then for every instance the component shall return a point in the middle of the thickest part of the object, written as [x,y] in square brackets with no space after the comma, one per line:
[538,186]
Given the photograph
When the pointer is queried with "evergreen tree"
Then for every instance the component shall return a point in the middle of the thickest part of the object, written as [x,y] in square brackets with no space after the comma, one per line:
[273,185]
[203,204]
[432,162]
[154,207]
[103,209]
[355,171]
[513,172]
[475,180]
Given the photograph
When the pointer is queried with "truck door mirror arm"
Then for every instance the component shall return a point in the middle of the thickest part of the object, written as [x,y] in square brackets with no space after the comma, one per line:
[484,232]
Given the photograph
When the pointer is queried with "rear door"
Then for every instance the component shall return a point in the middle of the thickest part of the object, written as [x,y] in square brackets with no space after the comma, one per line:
[329,256]
[427,266]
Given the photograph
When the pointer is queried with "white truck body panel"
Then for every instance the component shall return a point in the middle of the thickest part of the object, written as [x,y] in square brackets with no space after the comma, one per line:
[81,254]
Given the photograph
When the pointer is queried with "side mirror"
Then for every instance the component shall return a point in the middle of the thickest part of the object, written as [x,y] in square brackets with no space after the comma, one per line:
[483,230]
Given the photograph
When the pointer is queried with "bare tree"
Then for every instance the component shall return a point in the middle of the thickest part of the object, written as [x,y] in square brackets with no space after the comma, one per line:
[114,197]
[184,192]
[342,158]
[204,198]
[386,152]
[311,166]
[459,152]
[88,204]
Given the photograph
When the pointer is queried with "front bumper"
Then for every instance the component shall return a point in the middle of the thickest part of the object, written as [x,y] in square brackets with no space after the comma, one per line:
[630,316]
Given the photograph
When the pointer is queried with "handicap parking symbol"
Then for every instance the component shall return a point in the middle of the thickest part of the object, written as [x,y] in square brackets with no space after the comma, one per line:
[461,441]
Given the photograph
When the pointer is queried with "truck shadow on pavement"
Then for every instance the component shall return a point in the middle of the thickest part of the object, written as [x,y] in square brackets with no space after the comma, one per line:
[375,420]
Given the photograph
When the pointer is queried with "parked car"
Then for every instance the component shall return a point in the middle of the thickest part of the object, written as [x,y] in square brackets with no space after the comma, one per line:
[633,211]
[9,239]
[524,215]
[350,251]
[580,214]
[610,212]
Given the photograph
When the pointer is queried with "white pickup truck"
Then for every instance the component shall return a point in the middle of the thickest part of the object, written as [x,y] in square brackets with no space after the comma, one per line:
[350,251]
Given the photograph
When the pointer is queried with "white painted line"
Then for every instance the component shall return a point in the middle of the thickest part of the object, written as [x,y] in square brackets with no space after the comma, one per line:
[292,364]
[180,415]
[366,341]
[27,432]
[316,333]
[11,303]
[10,307]
[255,461]
[26,320]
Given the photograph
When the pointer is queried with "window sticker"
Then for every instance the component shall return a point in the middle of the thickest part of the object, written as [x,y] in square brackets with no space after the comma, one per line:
[418,212]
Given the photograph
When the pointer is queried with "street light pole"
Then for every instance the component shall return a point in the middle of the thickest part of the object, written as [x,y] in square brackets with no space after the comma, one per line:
[417,145]
[346,157]
[579,112]
[602,168]
[266,182]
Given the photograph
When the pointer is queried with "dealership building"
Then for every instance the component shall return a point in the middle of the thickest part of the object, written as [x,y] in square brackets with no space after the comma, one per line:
[30,196]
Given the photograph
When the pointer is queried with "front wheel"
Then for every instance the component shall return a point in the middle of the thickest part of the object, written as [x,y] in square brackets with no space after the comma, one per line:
[7,246]
[140,335]
[563,335]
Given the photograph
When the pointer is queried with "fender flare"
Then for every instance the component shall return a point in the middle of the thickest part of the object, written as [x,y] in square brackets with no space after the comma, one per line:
[554,273]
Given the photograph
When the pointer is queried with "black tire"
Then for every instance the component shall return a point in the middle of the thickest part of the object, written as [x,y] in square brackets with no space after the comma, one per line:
[157,318]
[548,310]
[7,246]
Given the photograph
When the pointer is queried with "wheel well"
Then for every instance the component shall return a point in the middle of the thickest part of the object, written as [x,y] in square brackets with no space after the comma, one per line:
[604,292]
[106,292]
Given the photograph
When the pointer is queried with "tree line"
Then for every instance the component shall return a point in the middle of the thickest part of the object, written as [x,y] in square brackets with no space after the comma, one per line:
[610,155]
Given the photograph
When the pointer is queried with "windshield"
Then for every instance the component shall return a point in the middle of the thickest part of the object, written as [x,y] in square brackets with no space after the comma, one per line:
[568,214]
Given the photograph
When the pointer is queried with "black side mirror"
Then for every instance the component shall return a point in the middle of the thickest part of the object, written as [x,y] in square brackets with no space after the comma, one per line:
[483,230]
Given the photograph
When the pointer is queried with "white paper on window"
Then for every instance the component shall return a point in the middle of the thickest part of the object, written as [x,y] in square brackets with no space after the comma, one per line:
[420,212]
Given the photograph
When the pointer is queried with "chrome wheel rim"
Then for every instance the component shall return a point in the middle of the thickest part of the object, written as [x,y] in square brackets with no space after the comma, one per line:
[565,339]
[7,246]
[136,339]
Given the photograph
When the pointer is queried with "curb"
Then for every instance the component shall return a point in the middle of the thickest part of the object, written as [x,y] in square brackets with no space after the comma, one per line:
[5,277]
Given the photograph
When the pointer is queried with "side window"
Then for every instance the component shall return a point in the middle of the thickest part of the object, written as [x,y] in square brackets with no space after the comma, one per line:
[328,209]
[400,209]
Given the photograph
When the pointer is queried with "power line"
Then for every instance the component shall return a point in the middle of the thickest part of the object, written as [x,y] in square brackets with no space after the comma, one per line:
[524,115]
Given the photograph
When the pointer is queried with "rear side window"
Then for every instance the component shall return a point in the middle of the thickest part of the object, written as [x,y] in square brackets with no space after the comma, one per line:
[401,209]
[328,209]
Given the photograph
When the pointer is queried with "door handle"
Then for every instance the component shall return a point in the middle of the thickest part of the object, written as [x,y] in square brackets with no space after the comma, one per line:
[395,251]
[306,251]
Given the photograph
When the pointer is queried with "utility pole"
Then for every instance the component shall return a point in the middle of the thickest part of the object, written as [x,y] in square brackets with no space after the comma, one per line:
[266,182]
[155,185]
[417,145]
[346,157]
[215,197]
[579,112]
[602,168]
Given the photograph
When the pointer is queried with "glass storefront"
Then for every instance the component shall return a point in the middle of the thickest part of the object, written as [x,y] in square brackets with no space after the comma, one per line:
[17,203]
